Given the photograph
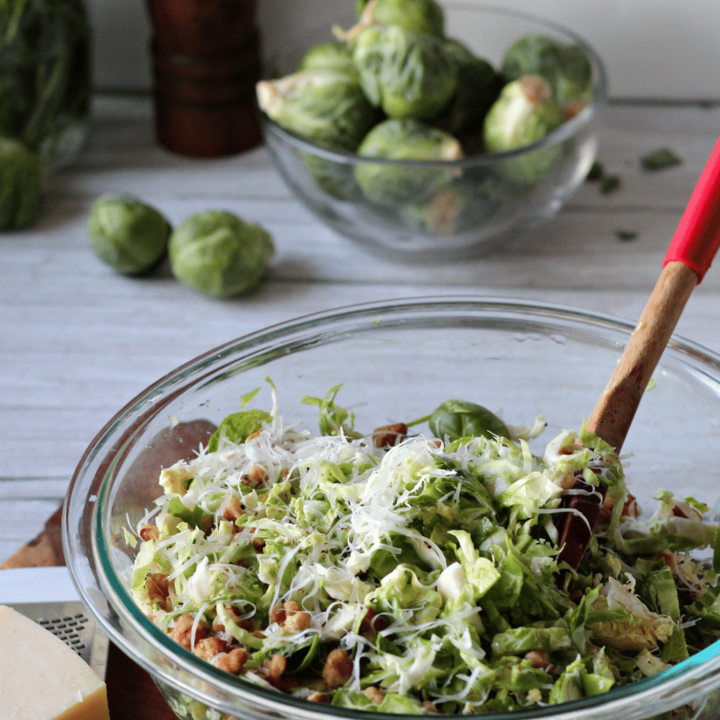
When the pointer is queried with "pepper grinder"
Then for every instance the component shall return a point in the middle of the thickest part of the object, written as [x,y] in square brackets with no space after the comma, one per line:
[206,62]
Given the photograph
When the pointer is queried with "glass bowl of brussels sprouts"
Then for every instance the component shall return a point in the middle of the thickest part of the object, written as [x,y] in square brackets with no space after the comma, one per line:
[433,133]
[396,361]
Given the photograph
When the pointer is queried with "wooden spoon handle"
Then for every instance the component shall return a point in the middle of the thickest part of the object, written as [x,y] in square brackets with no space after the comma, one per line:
[693,247]
[616,407]
[688,258]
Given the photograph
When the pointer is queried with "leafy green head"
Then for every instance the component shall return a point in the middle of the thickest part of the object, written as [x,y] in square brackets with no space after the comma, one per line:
[478,86]
[126,234]
[407,139]
[566,67]
[425,16]
[325,107]
[218,254]
[525,113]
[408,74]
[21,185]
[328,56]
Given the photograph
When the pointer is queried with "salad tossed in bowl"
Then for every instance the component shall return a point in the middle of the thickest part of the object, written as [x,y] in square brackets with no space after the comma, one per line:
[417,572]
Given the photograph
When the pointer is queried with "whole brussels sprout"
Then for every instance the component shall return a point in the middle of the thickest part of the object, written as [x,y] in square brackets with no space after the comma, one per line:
[21,185]
[326,107]
[417,15]
[408,139]
[524,113]
[333,178]
[409,74]
[328,56]
[440,215]
[478,87]
[126,234]
[218,254]
[566,67]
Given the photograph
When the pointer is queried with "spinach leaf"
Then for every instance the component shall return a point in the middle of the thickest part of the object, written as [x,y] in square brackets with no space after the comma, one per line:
[238,426]
[457,419]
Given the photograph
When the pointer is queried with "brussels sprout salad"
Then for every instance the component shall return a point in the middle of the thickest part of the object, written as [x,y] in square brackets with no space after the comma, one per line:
[414,569]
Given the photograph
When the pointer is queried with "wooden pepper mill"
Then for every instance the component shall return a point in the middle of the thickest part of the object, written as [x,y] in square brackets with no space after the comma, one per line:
[206,63]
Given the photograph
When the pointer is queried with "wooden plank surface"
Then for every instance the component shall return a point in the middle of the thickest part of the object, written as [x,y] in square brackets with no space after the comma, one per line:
[78,341]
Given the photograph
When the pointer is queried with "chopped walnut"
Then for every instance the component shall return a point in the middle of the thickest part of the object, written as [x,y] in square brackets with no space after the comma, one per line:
[373,694]
[298,621]
[338,668]
[232,662]
[683,509]
[182,632]
[540,660]
[149,532]
[291,616]
[568,481]
[569,449]
[669,557]
[371,624]
[254,476]
[275,667]
[389,435]
[157,589]
[430,707]
[209,647]
[232,510]
[258,543]
[320,697]
[631,508]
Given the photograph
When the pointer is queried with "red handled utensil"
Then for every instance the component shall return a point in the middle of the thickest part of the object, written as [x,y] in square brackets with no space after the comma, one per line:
[688,258]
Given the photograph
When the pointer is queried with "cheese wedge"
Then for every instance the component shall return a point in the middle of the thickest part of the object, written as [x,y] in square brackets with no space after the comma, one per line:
[41,678]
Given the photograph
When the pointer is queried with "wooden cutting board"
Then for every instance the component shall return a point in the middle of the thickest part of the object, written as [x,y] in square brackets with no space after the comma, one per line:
[132,694]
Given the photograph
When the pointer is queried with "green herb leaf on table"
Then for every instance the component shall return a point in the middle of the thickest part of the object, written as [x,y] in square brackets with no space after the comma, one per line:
[660,159]
[596,172]
[626,235]
[609,183]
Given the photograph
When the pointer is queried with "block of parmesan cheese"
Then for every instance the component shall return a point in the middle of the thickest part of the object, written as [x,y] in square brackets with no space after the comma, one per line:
[41,678]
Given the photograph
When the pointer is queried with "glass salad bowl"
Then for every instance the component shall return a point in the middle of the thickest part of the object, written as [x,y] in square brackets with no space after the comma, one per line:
[395,360]
[481,201]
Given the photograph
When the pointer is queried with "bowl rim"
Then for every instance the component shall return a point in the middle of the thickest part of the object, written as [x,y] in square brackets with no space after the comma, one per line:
[634,698]
[568,129]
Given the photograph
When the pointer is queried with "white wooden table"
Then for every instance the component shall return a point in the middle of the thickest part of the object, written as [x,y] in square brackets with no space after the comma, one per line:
[78,341]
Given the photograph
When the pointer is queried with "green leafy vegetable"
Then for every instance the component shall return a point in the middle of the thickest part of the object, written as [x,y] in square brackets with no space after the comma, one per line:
[44,75]
[332,417]
[457,419]
[237,427]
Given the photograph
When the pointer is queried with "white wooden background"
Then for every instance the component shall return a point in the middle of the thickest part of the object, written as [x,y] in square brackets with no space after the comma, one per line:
[658,49]
[78,341]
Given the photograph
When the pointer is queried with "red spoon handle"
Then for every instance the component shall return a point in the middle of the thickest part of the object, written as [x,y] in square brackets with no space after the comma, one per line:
[687,260]
[697,237]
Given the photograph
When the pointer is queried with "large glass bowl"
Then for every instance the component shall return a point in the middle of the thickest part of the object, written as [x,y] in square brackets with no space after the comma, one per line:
[396,361]
[483,200]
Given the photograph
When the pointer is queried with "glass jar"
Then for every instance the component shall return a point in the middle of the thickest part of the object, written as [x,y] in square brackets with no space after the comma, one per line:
[45,77]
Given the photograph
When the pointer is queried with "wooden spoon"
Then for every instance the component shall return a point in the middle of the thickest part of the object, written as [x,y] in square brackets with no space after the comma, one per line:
[688,258]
